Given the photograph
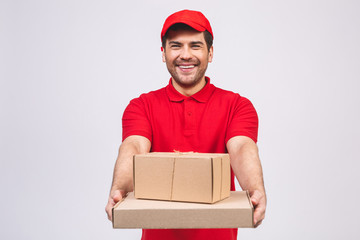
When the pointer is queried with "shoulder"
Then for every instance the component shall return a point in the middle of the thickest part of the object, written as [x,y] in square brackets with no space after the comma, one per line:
[143,105]
[150,97]
[227,95]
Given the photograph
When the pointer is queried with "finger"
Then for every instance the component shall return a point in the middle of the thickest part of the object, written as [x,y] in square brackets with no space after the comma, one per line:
[258,223]
[259,215]
[108,210]
[115,193]
[117,196]
[254,201]
[255,197]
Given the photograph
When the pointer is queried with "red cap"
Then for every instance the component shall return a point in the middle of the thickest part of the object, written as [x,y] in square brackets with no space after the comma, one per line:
[194,19]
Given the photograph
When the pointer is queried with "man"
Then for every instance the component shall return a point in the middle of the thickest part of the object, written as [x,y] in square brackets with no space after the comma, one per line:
[190,114]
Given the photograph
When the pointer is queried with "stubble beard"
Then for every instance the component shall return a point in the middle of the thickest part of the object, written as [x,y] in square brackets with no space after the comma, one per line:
[188,83]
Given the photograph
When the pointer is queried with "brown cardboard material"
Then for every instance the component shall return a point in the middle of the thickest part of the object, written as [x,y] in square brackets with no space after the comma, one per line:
[188,177]
[233,212]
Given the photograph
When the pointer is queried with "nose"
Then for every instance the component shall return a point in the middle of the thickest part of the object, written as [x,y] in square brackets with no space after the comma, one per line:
[185,53]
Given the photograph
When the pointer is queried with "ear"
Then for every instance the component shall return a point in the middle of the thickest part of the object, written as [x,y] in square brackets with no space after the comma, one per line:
[163,54]
[211,54]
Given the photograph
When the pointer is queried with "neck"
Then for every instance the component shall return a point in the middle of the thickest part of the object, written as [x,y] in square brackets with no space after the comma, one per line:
[189,90]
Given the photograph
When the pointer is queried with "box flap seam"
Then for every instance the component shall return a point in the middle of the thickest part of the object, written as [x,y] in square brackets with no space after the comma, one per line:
[134,174]
[221,179]
[212,180]
[172,180]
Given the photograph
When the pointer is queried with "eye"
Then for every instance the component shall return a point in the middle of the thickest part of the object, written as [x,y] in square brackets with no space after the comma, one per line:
[175,46]
[196,46]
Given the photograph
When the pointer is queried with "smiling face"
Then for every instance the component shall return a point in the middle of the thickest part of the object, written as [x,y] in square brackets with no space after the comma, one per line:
[186,57]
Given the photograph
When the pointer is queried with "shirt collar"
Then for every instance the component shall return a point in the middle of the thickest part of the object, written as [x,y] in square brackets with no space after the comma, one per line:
[201,96]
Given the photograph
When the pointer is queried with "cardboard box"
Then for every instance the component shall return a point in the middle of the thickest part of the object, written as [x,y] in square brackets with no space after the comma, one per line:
[188,177]
[233,212]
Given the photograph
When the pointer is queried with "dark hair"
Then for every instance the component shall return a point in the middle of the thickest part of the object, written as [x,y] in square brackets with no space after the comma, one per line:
[181,26]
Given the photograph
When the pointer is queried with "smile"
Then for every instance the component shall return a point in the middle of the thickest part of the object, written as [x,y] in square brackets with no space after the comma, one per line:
[187,66]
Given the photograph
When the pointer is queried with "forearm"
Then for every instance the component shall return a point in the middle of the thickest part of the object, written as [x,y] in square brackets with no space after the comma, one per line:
[123,170]
[246,164]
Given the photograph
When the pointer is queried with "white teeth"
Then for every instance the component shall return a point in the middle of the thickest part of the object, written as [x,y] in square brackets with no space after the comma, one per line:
[189,66]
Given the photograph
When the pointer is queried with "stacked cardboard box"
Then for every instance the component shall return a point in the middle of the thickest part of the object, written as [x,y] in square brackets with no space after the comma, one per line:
[196,187]
[186,177]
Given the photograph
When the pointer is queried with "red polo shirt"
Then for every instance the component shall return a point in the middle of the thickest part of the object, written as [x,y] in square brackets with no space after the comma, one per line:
[203,122]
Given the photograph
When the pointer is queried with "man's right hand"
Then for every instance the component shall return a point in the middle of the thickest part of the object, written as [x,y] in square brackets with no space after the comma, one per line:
[123,171]
[114,197]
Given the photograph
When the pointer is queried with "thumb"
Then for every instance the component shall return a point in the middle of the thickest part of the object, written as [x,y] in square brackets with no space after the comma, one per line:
[117,196]
[254,201]
[255,198]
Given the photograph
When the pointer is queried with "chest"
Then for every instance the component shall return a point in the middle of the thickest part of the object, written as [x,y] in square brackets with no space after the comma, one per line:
[190,125]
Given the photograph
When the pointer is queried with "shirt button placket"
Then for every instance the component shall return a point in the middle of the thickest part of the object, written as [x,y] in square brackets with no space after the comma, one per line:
[189,115]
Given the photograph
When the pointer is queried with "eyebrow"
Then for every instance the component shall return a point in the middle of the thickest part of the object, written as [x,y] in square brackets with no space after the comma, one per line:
[193,43]
[197,42]
[174,42]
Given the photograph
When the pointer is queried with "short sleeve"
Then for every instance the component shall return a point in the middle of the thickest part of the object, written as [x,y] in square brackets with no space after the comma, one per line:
[244,120]
[135,120]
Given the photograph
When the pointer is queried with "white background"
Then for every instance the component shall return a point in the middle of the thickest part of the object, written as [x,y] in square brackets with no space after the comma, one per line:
[69,68]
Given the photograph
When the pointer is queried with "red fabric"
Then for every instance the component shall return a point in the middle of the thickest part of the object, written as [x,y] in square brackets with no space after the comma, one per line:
[203,122]
[194,19]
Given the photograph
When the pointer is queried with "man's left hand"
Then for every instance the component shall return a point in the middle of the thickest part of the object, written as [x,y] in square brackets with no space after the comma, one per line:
[258,200]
